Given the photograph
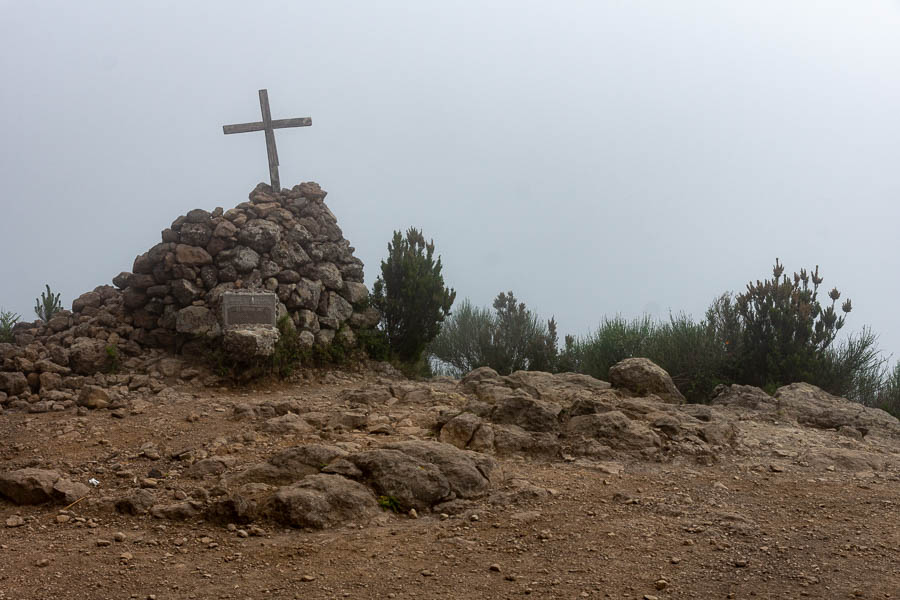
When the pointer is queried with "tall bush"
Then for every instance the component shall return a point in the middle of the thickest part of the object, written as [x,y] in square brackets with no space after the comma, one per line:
[411,295]
[512,338]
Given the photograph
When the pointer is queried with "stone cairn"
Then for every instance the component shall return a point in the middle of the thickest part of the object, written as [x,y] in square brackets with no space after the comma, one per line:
[284,242]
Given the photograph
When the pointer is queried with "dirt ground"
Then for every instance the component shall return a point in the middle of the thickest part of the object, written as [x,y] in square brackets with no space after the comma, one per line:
[748,525]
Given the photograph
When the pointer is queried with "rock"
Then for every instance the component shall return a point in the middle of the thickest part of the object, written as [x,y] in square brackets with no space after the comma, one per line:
[170,367]
[179,511]
[192,256]
[420,474]
[86,300]
[322,501]
[207,466]
[641,377]
[88,355]
[28,486]
[67,491]
[335,311]
[814,407]
[260,235]
[185,291]
[137,502]
[289,423]
[354,292]
[15,521]
[330,275]
[526,412]
[290,465]
[13,383]
[196,320]
[245,344]
[614,429]
[743,396]
[460,430]
[93,397]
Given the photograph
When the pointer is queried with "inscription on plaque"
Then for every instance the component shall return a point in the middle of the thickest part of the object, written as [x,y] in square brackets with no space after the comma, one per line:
[248,309]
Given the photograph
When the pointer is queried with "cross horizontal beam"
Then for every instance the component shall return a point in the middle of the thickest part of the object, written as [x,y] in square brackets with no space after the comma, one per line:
[260,126]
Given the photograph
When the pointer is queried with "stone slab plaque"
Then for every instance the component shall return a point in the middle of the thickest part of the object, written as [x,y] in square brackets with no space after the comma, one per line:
[244,308]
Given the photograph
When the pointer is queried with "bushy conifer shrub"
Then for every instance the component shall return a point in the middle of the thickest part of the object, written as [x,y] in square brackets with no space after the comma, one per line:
[7,320]
[47,305]
[411,295]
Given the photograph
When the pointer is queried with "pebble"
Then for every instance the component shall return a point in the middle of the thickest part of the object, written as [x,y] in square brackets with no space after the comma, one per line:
[256,530]
[413,514]
[103,543]
[473,518]
[495,567]
[126,556]
[119,536]
[741,563]
[44,562]
[427,573]
[661,584]
[307,578]
[62,518]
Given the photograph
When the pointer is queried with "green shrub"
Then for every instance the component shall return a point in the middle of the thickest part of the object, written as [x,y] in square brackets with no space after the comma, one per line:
[47,305]
[615,339]
[510,339]
[112,358]
[889,394]
[7,320]
[785,329]
[411,296]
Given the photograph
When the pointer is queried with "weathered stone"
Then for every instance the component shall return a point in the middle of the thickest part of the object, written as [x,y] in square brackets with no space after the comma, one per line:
[195,234]
[192,255]
[244,344]
[225,229]
[196,320]
[93,397]
[330,276]
[33,486]
[137,502]
[641,376]
[122,280]
[259,234]
[321,501]
[185,291]
[290,255]
[86,300]
[13,383]
[354,292]
[420,474]
[88,355]
[334,310]
[614,429]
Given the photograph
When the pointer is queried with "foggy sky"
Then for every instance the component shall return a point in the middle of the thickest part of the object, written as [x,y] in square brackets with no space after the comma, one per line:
[594,157]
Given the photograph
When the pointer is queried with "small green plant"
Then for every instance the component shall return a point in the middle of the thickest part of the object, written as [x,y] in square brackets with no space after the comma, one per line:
[47,305]
[390,503]
[112,358]
[7,320]
[411,296]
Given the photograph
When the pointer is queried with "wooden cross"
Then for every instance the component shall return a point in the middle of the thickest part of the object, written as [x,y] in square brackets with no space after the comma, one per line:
[269,126]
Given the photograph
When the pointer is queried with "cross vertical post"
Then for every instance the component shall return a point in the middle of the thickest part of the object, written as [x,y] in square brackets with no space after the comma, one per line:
[268,125]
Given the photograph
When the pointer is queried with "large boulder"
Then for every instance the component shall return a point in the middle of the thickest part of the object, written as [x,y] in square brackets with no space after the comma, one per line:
[13,383]
[641,377]
[196,320]
[247,343]
[322,501]
[290,465]
[420,474]
[614,429]
[88,356]
[259,234]
[36,486]
[814,407]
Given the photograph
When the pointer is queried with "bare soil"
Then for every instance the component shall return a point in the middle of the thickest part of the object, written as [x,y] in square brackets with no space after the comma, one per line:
[755,522]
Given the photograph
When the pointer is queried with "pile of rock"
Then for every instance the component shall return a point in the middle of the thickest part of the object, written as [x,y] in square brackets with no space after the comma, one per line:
[285,242]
